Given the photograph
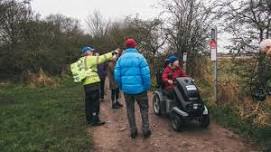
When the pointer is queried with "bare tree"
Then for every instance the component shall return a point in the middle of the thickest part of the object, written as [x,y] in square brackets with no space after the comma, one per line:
[247,20]
[64,24]
[97,24]
[188,23]
[15,15]
[150,34]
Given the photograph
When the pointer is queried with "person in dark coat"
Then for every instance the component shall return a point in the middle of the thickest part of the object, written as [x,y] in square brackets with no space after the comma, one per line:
[102,74]
[115,91]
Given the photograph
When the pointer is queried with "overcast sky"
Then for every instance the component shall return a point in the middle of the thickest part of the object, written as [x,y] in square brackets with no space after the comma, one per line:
[110,9]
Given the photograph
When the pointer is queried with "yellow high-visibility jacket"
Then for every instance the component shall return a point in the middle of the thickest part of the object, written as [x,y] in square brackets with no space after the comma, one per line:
[85,69]
[92,62]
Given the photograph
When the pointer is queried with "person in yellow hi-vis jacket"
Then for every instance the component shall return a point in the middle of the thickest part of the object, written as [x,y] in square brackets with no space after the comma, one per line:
[91,82]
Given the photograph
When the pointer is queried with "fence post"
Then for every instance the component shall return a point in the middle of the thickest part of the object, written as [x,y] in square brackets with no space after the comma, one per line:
[213,46]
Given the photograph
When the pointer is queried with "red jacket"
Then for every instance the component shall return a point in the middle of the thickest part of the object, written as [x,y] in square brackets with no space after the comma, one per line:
[175,74]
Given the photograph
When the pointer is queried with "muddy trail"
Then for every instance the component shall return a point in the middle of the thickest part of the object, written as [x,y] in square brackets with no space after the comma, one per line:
[114,136]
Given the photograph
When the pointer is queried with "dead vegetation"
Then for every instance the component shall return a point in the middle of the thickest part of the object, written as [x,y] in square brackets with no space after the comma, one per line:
[231,93]
[40,79]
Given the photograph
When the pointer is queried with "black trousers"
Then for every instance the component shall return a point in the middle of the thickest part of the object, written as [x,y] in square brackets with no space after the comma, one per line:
[102,83]
[115,95]
[170,93]
[92,103]
[142,101]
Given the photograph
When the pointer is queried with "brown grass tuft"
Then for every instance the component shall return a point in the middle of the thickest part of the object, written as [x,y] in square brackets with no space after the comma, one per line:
[39,79]
[230,92]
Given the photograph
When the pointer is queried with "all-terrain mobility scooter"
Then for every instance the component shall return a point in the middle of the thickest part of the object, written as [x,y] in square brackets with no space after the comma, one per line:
[186,105]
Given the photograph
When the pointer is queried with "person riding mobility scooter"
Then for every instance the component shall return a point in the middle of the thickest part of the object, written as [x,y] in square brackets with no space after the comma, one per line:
[178,97]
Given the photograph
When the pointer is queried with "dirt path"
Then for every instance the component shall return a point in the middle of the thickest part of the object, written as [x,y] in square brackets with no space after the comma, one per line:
[114,136]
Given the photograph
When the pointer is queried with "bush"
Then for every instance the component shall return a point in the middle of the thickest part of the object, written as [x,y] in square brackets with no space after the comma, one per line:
[234,109]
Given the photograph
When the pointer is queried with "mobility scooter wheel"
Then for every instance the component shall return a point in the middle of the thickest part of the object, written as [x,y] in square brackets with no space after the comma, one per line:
[156,105]
[177,122]
[204,121]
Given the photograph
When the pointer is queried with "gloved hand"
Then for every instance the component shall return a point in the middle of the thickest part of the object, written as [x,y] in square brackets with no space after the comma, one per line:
[170,82]
[116,53]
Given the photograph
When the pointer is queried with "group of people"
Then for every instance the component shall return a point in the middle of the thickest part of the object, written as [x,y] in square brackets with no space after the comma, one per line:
[129,72]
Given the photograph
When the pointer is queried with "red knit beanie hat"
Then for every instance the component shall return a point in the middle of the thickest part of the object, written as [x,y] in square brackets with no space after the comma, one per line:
[130,43]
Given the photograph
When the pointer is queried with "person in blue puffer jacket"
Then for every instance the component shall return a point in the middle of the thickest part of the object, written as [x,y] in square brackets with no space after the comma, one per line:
[132,73]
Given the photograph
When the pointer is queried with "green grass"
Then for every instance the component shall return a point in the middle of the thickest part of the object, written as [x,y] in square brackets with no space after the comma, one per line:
[43,119]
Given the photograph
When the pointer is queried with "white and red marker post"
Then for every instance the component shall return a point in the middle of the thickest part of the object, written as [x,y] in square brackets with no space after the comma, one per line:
[213,47]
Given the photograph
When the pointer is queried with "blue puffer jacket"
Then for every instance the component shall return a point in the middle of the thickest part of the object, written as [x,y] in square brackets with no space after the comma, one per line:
[132,72]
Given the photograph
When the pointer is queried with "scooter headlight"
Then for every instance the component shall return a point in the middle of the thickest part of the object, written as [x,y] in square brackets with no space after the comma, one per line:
[195,106]
[205,112]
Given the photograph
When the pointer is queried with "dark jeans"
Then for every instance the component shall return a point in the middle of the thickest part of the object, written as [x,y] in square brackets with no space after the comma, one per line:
[92,103]
[170,93]
[115,95]
[102,83]
[142,101]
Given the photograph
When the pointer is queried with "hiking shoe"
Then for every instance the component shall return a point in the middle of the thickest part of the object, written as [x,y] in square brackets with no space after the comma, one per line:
[90,122]
[134,135]
[97,123]
[147,134]
[115,106]
[119,104]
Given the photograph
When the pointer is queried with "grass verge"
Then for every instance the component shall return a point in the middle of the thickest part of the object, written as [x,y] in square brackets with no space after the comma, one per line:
[43,119]
[226,115]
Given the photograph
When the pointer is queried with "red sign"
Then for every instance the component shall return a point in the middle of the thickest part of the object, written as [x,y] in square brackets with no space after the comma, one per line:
[213,44]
